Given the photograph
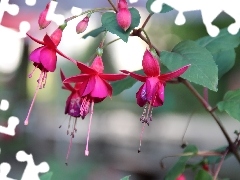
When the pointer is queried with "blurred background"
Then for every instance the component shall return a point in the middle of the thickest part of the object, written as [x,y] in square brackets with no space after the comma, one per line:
[115,131]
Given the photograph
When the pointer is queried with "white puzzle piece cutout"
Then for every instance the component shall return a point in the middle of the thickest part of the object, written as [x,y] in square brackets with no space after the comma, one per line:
[10,130]
[31,171]
[13,9]
[4,170]
[209,9]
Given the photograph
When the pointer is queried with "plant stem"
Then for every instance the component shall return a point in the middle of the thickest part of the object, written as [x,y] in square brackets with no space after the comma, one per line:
[146,21]
[232,147]
[88,11]
[115,9]
[220,164]
[111,42]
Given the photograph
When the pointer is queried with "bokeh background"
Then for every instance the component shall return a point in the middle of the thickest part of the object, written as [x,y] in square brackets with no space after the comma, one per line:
[115,130]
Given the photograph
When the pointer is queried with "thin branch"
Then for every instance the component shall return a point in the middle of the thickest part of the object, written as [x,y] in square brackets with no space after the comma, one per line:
[146,21]
[220,164]
[232,147]
[114,7]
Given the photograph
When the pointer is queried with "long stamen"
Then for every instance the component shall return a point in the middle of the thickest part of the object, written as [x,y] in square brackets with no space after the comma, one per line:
[139,149]
[30,75]
[34,97]
[45,79]
[69,149]
[69,121]
[89,126]
[75,129]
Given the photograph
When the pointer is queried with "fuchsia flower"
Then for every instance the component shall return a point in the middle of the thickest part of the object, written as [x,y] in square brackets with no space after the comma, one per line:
[181,177]
[82,25]
[94,87]
[42,22]
[151,93]
[45,59]
[124,17]
[72,108]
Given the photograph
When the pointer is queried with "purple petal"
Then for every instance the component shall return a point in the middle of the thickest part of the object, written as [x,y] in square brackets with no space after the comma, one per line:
[34,56]
[141,95]
[151,85]
[48,59]
[159,97]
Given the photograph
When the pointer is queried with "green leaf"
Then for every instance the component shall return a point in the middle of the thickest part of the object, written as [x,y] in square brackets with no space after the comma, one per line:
[203,69]
[110,23]
[202,174]
[126,177]
[165,8]
[47,176]
[222,49]
[95,32]
[179,167]
[120,86]
[231,104]
[217,159]
[225,60]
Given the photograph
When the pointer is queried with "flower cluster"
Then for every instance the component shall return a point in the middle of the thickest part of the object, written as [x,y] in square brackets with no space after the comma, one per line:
[92,85]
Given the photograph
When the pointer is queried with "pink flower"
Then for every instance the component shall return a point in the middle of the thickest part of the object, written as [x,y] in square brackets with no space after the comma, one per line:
[72,108]
[73,102]
[94,87]
[124,17]
[42,22]
[181,177]
[151,93]
[45,59]
[82,25]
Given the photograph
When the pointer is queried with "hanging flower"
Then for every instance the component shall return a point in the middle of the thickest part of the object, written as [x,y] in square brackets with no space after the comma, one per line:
[94,87]
[45,59]
[151,93]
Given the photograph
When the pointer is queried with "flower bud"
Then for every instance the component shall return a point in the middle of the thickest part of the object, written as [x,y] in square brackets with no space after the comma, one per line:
[42,22]
[82,25]
[124,17]
[57,36]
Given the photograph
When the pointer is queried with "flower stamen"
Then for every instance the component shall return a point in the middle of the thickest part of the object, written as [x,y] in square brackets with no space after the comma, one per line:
[34,97]
[89,126]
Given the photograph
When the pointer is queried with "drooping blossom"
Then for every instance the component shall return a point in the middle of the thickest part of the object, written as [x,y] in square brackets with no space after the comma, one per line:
[151,93]
[42,22]
[82,25]
[94,87]
[124,17]
[45,59]
[72,108]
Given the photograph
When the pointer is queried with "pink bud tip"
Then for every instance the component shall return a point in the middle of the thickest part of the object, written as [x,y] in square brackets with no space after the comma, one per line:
[42,22]
[124,18]
[86,153]
[57,36]
[82,25]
